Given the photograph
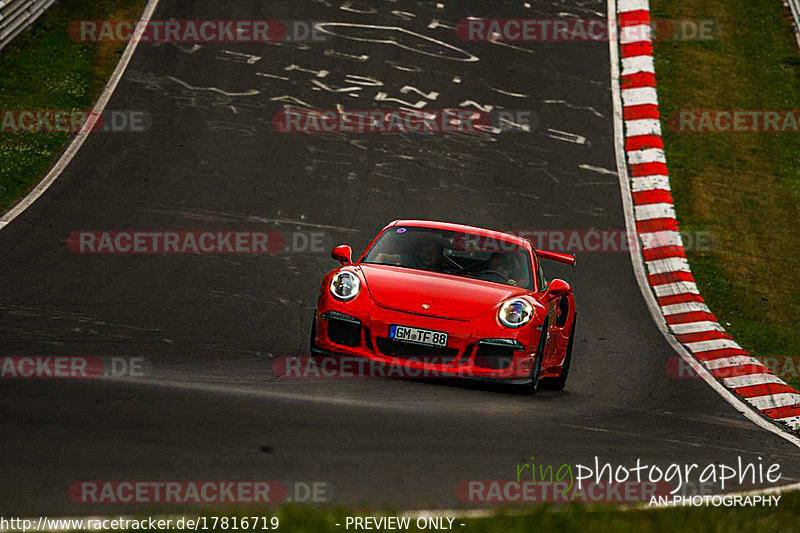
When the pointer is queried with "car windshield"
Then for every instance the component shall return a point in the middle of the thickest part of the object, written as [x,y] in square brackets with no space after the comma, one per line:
[453,252]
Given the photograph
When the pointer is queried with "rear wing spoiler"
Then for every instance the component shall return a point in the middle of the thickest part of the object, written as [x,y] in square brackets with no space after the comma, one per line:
[557,256]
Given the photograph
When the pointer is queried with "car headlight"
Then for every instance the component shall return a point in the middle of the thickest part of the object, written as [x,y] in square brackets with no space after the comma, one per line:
[515,313]
[345,285]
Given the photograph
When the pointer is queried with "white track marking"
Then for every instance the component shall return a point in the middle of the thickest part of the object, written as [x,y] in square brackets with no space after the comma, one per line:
[322,86]
[249,92]
[290,101]
[659,239]
[250,59]
[384,97]
[317,73]
[403,15]
[599,170]
[266,75]
[649,183]
[335,53]
[686,307]
[636,64]
[654,211]
[650,155]
[639,96]
[568,105]
[565,136]
[771,401]
[636,258]
[681,287]
[752,379]
[635,34]
[643,126]
[506,93]
[80,137]
[403,68]
[670,264]
[695,327]
[408,89]
[466,56]
[186,50]
[630,5]
[436,23]
[713,344]
[348,6]
[791,421]
[728,362]
[366,81]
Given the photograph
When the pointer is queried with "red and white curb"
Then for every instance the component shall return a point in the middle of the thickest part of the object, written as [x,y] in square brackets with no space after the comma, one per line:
[667,270]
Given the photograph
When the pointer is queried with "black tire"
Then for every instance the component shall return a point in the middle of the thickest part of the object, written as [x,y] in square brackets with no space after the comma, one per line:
[312,343]
[560,382]
[533,386]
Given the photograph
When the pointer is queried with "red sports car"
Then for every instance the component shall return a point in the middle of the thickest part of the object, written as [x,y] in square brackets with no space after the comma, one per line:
[450,300]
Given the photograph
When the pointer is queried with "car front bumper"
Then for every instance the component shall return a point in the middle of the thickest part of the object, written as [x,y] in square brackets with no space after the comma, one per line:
[476,349]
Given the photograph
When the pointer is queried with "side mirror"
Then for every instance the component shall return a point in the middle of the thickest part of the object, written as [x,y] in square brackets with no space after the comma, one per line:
[557,289]
[343,253]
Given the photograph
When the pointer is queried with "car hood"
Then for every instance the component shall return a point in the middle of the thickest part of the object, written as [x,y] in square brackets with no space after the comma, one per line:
[405,289]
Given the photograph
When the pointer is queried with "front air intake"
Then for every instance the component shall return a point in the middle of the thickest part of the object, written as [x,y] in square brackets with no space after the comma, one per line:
[344,332]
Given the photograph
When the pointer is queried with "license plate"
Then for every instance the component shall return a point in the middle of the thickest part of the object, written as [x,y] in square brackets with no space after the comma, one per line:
[417,335]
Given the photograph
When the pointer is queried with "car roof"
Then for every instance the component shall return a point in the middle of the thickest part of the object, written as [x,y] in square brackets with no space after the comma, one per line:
[483,232]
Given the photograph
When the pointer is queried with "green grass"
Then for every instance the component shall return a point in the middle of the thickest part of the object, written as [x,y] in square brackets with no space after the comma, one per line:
[576,517]
[42,68]
[742,187]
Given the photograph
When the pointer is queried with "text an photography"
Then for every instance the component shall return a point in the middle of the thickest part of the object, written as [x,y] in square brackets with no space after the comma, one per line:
[197,242]
[405,121]
[72,367]
[196,31]
[74,121]
[205,492]
[586,30]
[676,484]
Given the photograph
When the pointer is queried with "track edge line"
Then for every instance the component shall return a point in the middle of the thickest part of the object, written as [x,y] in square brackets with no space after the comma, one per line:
[78,140]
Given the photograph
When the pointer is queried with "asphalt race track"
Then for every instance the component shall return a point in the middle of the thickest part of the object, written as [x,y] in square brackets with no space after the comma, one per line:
[211,326]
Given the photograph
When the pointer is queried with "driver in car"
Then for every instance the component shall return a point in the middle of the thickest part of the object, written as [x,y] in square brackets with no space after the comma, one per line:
[429,256]
[500,267]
